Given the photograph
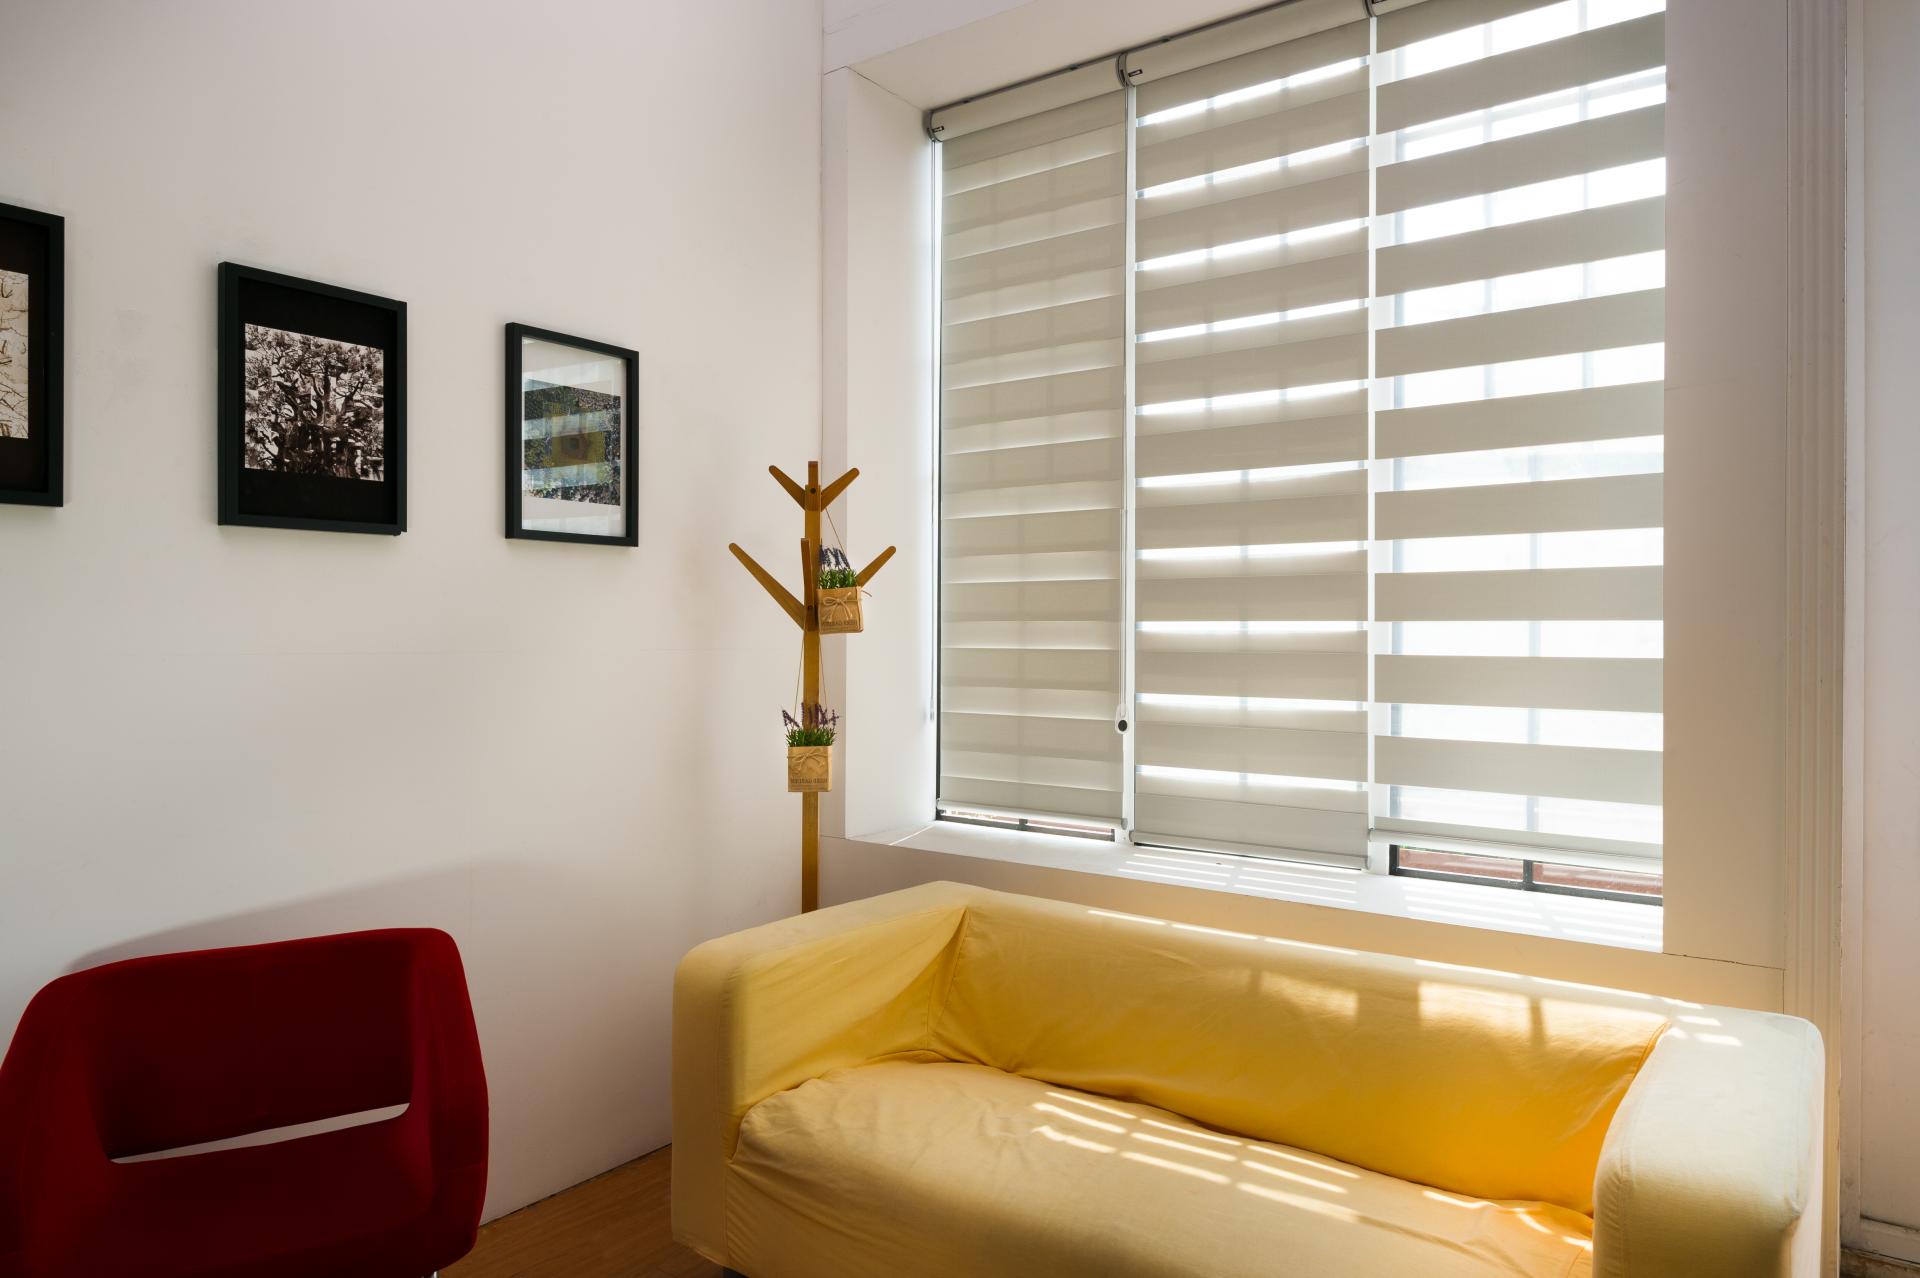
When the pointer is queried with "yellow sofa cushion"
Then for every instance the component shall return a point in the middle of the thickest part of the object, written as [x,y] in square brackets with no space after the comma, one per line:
[1396,1066]
[941,1170]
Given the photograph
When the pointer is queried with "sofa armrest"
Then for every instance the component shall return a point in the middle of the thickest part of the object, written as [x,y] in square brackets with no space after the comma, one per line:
[766,1009]
[1712,1165]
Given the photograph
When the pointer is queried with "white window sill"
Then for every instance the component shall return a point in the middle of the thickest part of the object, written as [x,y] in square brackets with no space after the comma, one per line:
[1623,924]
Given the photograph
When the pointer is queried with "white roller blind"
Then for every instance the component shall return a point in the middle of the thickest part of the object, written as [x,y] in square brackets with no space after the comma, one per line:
[1033,256]
[1251,435]
[1376,331]
[1519,322]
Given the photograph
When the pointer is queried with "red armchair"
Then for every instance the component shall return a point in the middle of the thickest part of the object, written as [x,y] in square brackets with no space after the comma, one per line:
[182,1049]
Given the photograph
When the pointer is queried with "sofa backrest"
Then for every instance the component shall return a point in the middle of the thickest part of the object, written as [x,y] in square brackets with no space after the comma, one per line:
[1493,1087]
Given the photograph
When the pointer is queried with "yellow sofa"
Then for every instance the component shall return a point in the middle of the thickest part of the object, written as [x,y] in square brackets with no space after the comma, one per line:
[951,1081]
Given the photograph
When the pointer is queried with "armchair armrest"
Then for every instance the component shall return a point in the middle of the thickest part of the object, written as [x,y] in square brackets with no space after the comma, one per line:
[766,1009]
[1712,1165]
[53,1168]
[449,1093]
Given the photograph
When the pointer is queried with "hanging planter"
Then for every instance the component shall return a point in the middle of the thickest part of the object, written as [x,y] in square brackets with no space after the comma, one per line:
[840,611]
[809,769]
[810,749]
[839,594]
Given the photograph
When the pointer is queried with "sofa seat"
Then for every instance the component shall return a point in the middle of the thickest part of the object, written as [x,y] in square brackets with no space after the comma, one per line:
[929,1167]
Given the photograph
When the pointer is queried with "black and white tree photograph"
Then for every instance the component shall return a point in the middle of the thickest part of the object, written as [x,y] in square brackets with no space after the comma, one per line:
[314,406]
[14,422]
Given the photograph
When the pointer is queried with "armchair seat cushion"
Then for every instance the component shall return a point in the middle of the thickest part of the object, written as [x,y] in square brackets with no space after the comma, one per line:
[356,1200]
[925,1166]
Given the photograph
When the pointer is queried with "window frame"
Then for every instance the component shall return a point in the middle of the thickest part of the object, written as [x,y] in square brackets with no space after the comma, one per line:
[1527,882]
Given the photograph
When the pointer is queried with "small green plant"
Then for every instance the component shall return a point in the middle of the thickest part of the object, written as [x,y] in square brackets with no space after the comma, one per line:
[816,725]
[835,572]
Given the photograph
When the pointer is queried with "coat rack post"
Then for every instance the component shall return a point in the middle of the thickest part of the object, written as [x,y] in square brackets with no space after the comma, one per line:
[805,612]
[810,678]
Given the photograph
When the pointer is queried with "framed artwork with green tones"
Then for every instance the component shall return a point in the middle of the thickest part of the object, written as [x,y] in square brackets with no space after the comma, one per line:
[571,439]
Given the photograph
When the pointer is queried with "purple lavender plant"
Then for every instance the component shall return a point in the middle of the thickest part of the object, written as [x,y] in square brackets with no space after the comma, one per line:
[836,573]
[816,726]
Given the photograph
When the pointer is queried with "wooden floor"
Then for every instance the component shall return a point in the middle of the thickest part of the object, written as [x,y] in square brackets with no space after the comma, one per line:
[614,1226]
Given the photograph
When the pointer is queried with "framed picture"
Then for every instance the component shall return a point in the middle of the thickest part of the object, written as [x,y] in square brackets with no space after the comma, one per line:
[571,438]
[33,289]
[313,405]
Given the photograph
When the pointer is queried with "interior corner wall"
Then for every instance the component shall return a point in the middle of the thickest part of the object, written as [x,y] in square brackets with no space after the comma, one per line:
[1881,1085]
[878,313]
[1729,611]
[566,756]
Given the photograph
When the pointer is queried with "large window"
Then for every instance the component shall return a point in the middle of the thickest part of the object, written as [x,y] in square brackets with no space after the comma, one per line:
[1301,436]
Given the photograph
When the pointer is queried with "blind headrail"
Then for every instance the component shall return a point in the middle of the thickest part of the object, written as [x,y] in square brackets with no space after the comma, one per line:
[1195,46]
[1076,83]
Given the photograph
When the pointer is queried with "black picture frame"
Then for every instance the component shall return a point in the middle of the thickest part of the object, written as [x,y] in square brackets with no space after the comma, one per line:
[515,455]
[308,500]
[33,466]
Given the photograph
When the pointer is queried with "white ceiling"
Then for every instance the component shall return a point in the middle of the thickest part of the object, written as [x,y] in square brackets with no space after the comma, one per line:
[932,52]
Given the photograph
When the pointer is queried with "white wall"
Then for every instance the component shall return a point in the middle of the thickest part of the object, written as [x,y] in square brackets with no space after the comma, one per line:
[1883,1065]
[856,30]
[564,755]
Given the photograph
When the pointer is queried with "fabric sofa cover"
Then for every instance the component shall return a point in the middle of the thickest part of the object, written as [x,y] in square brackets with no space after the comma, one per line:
[953,1081]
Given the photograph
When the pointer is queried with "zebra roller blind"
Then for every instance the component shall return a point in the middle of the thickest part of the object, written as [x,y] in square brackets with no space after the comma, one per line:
[1519,320]
[1251,432]
[1033,385]
[1349,399]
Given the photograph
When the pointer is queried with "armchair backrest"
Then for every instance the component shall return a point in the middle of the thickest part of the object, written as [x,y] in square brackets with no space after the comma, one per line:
[1488,1085]
[186,1048]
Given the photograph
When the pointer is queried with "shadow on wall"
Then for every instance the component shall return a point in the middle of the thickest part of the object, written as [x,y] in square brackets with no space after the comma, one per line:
[570,993]
[442,900]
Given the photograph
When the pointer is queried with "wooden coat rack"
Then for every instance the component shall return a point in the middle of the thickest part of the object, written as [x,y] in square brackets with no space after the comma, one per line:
[805,611]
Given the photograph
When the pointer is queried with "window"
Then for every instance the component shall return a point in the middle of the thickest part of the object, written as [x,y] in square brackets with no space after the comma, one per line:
[1301,436]
[1640,886]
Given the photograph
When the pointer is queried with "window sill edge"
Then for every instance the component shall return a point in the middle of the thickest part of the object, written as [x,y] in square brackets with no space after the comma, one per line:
[1567,919]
